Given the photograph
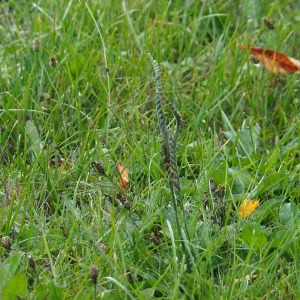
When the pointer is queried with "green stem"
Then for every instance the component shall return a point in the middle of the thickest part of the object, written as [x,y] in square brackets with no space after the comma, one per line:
[170,153]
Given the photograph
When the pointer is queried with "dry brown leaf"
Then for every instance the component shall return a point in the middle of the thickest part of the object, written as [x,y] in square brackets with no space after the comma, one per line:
[275,61]
[124,176]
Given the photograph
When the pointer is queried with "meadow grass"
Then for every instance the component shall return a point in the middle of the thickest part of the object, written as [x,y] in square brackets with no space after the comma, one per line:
[77,91]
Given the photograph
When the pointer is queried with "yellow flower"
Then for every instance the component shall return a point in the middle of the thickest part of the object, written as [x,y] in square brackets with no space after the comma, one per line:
[248,207]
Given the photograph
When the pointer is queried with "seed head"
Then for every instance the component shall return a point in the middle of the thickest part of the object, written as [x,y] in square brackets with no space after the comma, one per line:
[6,242]
[94,274]
[31,261]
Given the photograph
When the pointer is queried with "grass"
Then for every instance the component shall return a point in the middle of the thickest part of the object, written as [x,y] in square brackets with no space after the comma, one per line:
[71,232]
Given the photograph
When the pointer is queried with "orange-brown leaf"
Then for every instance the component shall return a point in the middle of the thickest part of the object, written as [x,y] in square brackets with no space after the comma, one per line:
[124,176]
[248,207]
[275,61]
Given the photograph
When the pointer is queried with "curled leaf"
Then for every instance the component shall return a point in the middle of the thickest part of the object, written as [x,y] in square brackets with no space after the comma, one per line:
[248,278]
[274,61]
[248,207]
[124,176]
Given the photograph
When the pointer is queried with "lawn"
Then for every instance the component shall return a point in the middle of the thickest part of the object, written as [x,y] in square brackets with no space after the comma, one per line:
[145,154]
